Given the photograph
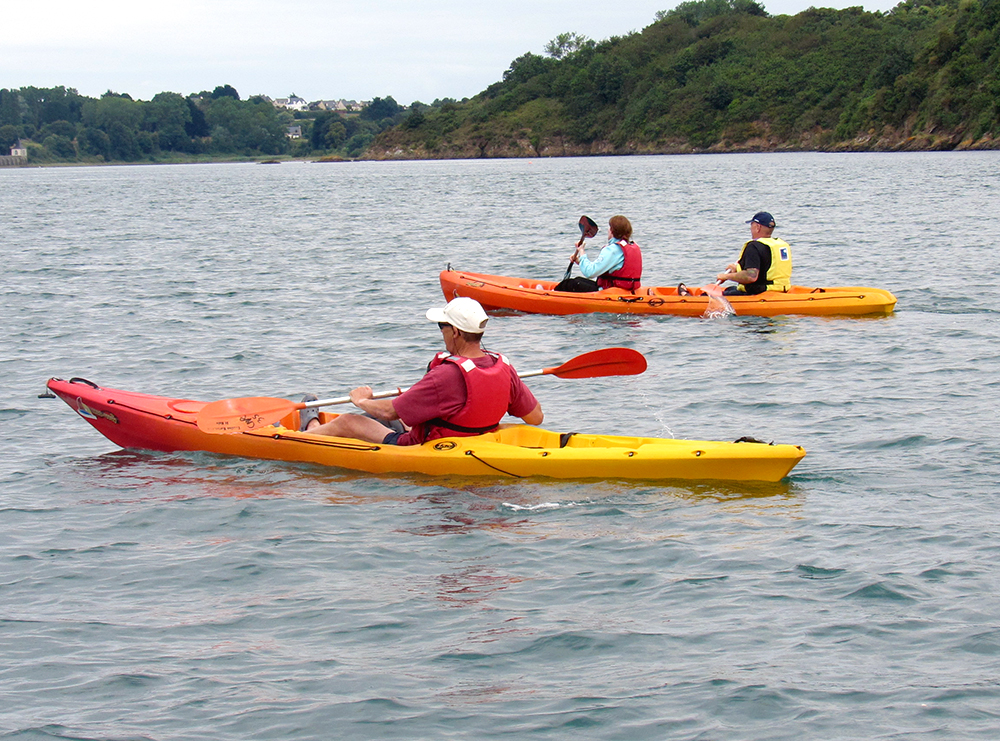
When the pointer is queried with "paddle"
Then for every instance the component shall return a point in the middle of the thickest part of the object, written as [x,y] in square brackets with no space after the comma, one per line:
[233,416]
[718,305]
[588,228]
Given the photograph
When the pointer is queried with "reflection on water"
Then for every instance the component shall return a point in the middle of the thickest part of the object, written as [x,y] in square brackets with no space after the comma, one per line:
[765,325]
[473,586]
[523,510]
[154,476]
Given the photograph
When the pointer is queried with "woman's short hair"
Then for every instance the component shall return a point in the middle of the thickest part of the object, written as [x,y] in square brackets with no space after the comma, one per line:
[621,228]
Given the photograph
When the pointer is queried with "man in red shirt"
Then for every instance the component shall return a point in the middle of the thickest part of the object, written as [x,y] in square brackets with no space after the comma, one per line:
[466,390]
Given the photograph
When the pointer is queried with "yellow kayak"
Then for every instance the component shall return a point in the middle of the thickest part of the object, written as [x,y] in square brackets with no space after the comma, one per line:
[134,420]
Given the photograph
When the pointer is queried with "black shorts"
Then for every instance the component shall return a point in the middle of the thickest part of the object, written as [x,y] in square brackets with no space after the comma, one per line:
[392,438]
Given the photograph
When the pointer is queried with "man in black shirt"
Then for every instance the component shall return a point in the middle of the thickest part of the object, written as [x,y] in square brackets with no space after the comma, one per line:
[753,271]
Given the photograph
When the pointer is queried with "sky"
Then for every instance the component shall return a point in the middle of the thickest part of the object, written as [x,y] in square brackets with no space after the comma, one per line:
[412,50]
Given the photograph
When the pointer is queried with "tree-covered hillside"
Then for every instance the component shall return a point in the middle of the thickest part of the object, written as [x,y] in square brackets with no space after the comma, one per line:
[58,125]
[723,75]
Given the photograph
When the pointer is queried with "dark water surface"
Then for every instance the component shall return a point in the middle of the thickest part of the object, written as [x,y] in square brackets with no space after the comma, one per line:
[187,596]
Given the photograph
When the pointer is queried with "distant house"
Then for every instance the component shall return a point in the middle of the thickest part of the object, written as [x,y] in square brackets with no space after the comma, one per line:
[294,132]
[291,103]
[18,156]
[329,105]
[340,106]
[294,103]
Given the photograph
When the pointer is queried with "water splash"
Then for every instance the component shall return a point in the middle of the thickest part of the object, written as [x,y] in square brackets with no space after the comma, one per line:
[718,305]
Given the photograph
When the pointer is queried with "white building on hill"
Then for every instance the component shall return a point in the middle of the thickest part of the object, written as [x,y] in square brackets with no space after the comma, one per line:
[291,103]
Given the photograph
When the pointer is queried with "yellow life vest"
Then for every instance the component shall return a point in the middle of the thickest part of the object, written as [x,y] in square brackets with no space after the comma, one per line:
[779,275]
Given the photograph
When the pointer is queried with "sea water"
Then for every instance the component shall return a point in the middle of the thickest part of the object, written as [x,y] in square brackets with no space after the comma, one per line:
[190,596]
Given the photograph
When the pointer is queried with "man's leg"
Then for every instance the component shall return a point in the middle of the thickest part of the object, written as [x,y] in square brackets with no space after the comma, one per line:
[357,426]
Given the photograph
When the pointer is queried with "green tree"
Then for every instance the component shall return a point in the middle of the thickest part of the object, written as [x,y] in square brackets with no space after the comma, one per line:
[357,144]
[225,91]
[695,12]
[44,105]
[198,125]
[9,136]
[167,114]
[62,104]
[414,120]
[222,140]
[524,68]
[147,142]
[111,109]
[10,108]
[122,141]
[94,142]
[566,43]
[61,147]
[61,128]
[381,108]
[336,134]
[248,126]
[321,127]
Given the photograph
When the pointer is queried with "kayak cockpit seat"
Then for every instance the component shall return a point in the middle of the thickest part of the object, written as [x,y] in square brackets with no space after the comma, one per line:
[564,438]
[665,290]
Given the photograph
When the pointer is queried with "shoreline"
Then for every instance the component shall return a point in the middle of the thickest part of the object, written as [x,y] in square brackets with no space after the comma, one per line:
[858,146]
[888,142]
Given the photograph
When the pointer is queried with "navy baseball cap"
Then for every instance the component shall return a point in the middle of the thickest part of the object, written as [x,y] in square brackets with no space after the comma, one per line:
[763,218]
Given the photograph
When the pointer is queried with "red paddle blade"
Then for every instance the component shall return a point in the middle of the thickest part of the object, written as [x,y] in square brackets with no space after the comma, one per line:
[612,361]
[233,416]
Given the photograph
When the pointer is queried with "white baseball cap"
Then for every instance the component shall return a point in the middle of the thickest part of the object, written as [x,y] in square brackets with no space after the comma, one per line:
[463,313]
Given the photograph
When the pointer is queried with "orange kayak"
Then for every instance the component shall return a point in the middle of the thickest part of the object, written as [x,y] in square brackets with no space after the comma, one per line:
[540,297]
[143,421]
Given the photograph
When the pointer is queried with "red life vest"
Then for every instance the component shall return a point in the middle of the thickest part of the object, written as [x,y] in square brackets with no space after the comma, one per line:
[487,397]
[628,275]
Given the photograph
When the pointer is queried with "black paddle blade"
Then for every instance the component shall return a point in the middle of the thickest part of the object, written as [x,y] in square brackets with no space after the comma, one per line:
[588,227]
